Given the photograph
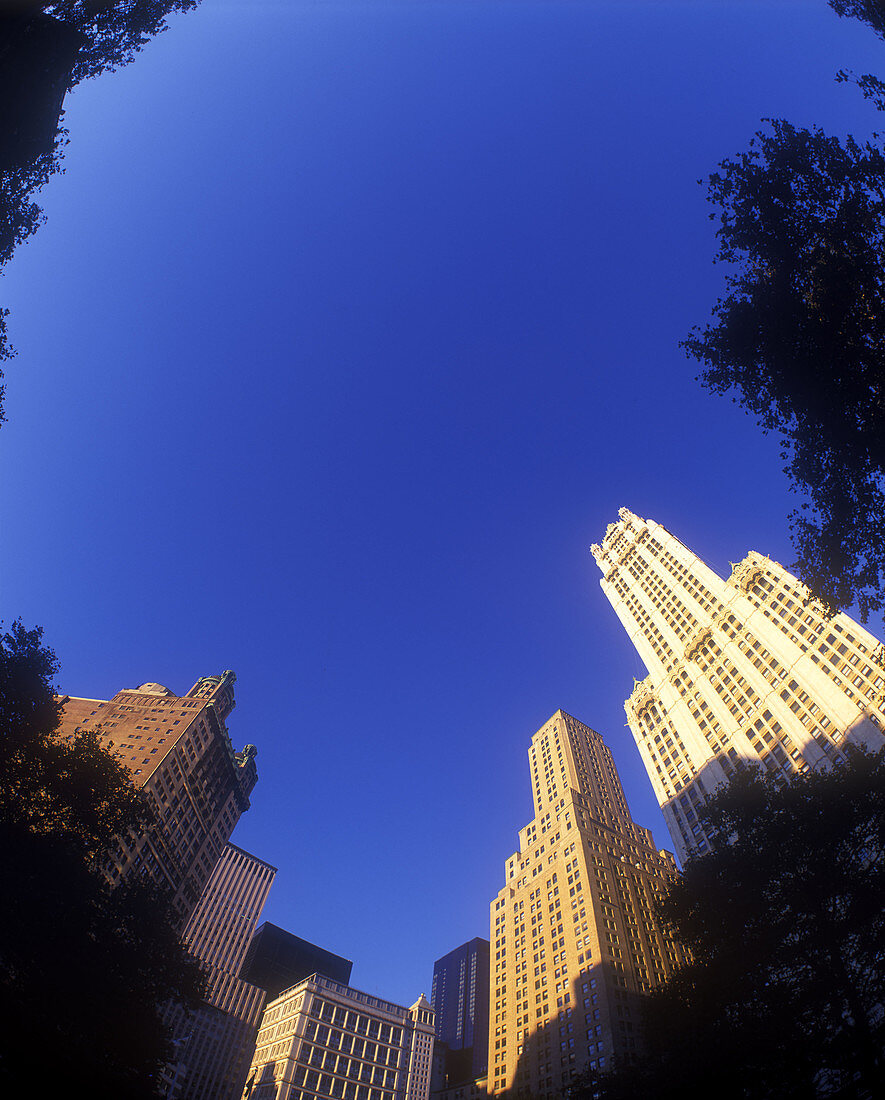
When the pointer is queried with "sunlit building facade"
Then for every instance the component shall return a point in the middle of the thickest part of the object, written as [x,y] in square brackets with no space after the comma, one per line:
[178,750]
[322,1040]
[745,669]
[575,943]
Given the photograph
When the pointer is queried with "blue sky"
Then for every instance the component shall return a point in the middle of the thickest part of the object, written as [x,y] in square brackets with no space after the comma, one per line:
[351,327]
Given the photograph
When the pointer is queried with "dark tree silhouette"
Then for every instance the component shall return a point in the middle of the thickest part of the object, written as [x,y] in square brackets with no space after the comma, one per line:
[83,967]
[800,337]
[785,920]
[868,11]
[46,47]
[20,216]
[114,30]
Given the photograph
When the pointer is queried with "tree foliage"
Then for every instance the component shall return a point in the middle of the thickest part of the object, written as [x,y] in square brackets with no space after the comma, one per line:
[868,11]
[800,338]
[785,921]
[115,30]
[46,47]
[20,217]
[83,967]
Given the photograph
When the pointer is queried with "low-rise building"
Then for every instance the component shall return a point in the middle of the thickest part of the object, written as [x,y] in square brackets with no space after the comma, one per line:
[321,1040]
[476,1089]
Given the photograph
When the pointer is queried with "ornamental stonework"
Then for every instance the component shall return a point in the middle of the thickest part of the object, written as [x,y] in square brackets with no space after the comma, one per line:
[744,573]
[697,643]
[641,696]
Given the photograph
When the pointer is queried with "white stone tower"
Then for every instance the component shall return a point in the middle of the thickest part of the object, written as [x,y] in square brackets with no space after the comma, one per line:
[750,668]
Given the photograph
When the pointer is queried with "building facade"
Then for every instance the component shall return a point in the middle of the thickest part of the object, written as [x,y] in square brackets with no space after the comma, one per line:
[277,959]
[460,1001]
[748,669]
[575,940]
[321,1040]
[214,1045]
[469,1090]
[179,752]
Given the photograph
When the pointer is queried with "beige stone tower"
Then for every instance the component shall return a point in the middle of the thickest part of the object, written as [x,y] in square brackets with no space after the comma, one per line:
[574,940]
[747,669]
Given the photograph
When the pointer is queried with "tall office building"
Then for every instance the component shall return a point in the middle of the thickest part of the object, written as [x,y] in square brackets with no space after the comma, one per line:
[322,1040]
[460,1001]
[575,940]
[745,669]
[214,1044]
[277,959]
[179,751]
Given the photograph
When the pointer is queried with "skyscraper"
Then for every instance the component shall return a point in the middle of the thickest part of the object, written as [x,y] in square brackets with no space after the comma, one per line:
[575,941]
[277,959]
[179,751]
[745,669]
[460,1000]
[214,1044]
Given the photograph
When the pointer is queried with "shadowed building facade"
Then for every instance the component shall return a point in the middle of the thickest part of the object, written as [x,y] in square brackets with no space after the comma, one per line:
[214,1044]
[575,943]
[180,753]
[746,669]
[277,959]
[460,1001]
[323,1040]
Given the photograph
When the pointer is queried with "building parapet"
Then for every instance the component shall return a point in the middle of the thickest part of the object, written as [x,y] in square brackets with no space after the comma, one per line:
[368,999]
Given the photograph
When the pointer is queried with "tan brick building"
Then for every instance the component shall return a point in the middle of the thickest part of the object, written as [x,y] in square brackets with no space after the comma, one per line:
[745,669]
[574,940]
[179,751]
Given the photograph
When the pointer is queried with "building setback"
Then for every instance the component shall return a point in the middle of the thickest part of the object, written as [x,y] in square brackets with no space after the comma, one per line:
[575,940]
[322,1040]
[214,1044]
[460,1001]
[180,753]
[746,669]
